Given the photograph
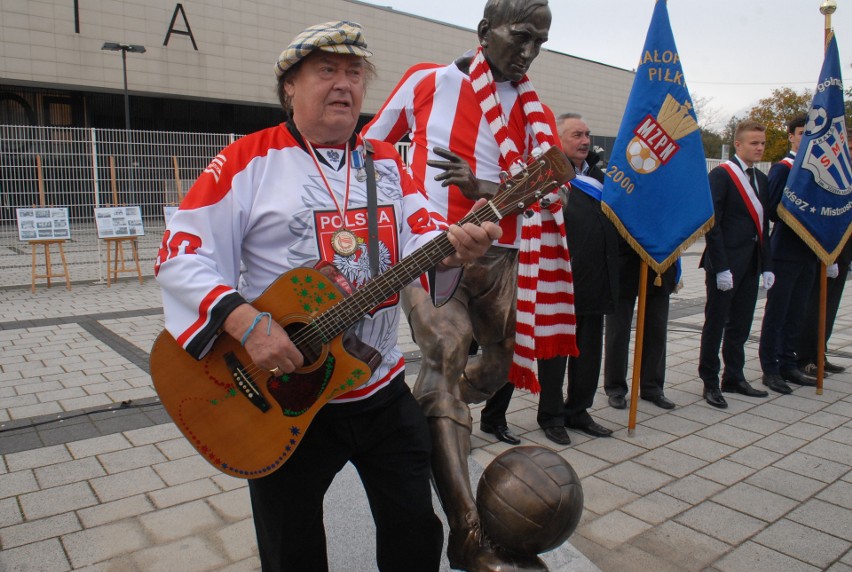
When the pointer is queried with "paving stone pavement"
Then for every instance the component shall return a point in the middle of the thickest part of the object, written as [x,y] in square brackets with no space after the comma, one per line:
[94,476]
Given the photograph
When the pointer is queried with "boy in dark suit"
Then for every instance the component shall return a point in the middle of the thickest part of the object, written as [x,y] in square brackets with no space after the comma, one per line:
[794,265]
[734,257]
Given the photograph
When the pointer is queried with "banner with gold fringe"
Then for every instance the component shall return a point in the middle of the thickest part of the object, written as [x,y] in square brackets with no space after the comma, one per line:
[817,199]
[656,190]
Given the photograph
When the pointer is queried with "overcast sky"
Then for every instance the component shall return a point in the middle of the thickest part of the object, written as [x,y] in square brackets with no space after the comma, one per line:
[734,52]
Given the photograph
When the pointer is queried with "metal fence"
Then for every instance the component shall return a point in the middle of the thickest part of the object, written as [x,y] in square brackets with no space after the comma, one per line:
[762,166]
[82,169]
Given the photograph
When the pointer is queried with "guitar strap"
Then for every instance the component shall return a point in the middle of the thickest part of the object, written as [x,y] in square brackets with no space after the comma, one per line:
[372,212]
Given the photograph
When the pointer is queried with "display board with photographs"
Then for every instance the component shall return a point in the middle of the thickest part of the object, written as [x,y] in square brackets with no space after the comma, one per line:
[43,223]
[118,222]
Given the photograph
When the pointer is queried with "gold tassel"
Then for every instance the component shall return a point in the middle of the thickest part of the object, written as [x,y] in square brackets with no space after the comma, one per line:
[652,264]
[658,281]
[825,257]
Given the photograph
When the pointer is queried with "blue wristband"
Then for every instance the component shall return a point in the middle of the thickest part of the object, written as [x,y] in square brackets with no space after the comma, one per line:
[257,320]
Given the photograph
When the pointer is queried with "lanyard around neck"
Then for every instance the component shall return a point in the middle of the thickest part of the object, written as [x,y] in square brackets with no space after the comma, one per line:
[341,211]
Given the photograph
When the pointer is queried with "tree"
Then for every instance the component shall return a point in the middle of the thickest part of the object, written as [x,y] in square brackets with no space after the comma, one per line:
[709,116]
[730,130]
[712,142]
[709,120]
[774,112]
[726,137]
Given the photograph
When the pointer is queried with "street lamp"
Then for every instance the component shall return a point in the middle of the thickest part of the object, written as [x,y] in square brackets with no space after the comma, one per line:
[124,48]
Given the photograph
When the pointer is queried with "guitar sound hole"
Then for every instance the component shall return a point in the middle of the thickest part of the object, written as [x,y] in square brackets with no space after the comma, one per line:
[311,346]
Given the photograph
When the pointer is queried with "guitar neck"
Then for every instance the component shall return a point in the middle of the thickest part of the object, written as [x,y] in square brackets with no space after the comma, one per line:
[542,176]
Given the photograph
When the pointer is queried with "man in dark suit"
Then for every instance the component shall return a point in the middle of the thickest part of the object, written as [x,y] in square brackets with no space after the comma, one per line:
[794,265]
[735,254]
[593,243]
[652,375]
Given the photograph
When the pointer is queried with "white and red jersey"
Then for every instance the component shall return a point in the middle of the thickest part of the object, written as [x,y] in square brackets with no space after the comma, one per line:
[436,106]
[260,209]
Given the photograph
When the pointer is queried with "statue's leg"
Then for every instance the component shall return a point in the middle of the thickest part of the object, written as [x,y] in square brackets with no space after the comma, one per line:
[491,289]
[443,336]
[491,306]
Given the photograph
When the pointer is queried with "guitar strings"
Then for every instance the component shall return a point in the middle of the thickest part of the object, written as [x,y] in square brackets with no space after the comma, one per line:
[316,332]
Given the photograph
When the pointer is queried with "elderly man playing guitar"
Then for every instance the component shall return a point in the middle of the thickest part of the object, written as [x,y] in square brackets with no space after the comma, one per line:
[273,201]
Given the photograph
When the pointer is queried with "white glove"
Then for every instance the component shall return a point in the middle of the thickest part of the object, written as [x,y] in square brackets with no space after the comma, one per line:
[832,271]
[768,280]
[725,280]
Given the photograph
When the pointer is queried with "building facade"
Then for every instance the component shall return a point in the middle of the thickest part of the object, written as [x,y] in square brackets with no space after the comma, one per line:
[207,65]
[205,78]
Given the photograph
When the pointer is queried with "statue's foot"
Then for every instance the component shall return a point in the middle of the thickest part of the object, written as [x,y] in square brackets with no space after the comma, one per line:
[470,553]
[469,550]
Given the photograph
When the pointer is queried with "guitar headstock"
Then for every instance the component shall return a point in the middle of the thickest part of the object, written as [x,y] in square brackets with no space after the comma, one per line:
[541,176]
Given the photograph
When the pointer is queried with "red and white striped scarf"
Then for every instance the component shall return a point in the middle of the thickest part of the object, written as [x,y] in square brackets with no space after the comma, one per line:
[545,325]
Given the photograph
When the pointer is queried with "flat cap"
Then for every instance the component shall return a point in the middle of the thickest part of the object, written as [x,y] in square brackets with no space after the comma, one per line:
[339,37]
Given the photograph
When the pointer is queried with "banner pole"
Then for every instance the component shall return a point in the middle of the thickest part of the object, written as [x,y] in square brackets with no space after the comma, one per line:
[821,328]
[827,8]
[637,348]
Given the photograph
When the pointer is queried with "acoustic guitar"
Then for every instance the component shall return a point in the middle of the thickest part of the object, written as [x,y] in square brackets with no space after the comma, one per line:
[246,422]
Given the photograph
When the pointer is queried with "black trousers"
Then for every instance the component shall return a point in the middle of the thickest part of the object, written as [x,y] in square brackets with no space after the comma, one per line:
[494,412]
[617,340]
[551,400]
[389,445]
[727,323]
[809,338]
[583,370]
[786,303]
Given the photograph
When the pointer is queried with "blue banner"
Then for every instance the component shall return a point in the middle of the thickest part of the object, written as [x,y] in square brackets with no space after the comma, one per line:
[656,189]
[817,199]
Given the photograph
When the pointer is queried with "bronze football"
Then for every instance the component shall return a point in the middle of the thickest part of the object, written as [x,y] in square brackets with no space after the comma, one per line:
[530,500]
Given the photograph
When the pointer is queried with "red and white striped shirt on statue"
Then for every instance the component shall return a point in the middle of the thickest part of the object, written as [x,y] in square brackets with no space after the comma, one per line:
[440,106]
[436,106]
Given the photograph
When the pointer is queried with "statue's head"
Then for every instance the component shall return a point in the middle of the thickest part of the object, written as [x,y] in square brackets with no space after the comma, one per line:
[511,33]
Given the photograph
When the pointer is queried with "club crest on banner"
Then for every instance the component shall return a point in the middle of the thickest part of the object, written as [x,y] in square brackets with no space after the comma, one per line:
[655,140]
[828,153]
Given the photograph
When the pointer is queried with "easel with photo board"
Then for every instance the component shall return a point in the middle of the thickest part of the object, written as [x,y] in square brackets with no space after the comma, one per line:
[116,261]
[46,243]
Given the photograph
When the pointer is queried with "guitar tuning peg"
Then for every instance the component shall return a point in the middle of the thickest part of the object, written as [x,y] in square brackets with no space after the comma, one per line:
[545,202]
[528,213]
[504,176]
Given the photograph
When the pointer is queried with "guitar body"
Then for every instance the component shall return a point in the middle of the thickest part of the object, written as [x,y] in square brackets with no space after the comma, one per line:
[240,418]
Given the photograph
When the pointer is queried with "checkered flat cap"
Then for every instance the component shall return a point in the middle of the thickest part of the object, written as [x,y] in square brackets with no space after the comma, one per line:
[339,37]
